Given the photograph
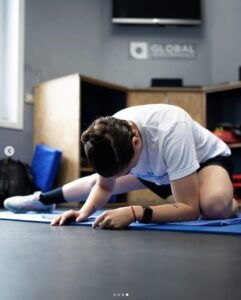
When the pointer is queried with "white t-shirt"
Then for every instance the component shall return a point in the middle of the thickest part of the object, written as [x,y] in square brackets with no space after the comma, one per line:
[174,144]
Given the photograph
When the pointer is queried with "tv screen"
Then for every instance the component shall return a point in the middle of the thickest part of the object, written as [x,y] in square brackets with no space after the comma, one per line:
[157,12]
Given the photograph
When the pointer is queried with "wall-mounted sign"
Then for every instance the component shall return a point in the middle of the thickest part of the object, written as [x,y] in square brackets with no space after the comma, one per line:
[144,50]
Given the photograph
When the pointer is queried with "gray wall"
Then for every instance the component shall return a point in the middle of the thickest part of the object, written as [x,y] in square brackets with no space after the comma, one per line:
[64,37]
[225,25]
[119,67]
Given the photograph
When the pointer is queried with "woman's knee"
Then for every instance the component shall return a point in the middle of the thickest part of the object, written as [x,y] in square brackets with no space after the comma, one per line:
[218,205]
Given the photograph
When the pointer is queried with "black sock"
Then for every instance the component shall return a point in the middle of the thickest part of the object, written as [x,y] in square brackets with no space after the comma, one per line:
[54,196]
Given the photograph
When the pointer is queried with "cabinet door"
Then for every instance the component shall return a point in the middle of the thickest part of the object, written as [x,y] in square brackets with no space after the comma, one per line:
[141,98]
[192,102]
[56,122]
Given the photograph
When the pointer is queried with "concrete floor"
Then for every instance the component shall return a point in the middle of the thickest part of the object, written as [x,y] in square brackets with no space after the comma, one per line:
[73,262]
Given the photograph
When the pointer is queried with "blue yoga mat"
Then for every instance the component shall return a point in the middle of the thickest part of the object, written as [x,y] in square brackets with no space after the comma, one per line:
[227,226]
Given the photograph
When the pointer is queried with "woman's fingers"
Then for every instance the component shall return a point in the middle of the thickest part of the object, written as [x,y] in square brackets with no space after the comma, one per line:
[81,217]
[104,221]
[99,220]
[64,218]
[55,221]
[60,220]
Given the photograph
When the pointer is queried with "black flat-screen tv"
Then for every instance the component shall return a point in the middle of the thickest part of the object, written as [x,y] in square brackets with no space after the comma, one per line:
[157,12]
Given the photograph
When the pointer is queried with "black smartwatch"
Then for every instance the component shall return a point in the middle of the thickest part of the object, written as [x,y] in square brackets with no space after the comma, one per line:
[147,215]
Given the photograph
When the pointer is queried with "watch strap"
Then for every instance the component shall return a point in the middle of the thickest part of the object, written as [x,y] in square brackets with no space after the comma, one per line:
[147,215]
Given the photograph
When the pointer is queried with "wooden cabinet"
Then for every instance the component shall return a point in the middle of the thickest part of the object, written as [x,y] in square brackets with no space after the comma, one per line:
[223,105]
[56,121]
[64,107]
[189,99]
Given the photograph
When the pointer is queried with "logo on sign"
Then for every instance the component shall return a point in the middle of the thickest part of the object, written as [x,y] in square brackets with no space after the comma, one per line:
[144,50]
[139,50]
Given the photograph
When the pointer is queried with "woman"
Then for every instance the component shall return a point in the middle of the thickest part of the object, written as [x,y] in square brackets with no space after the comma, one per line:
[158,146]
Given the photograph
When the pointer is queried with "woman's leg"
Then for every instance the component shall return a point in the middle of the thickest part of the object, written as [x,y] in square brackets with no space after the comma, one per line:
[78,190]
[75,191]
[216,193]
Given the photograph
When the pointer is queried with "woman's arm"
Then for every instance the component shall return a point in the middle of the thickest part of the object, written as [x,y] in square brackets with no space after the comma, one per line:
[186,207]
[98,197]
[186,195]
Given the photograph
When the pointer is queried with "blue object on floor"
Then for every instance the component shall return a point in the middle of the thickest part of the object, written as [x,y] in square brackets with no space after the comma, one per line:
[45,165]
[227,226]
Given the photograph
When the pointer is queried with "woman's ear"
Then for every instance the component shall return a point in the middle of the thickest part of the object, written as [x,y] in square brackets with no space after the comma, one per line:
[136,142]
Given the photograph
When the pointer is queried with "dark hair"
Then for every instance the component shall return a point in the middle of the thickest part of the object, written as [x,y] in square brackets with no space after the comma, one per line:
[108,145]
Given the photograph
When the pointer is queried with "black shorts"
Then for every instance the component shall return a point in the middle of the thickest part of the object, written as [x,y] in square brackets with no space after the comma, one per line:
[165,191]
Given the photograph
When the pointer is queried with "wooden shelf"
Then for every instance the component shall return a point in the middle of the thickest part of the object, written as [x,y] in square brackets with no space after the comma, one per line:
[87,169]
[89,98]
[235,145]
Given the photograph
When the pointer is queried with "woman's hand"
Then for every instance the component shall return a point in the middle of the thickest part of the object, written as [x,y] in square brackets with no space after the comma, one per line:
[115,219]
[68,216]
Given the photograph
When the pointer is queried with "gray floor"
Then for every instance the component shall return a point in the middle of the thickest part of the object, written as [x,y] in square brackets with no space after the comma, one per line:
[42,262]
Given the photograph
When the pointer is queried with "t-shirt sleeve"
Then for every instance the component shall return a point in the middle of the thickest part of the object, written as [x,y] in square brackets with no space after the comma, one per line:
[179,151]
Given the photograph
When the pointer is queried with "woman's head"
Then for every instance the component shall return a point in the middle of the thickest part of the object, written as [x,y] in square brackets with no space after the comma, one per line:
[108,145]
